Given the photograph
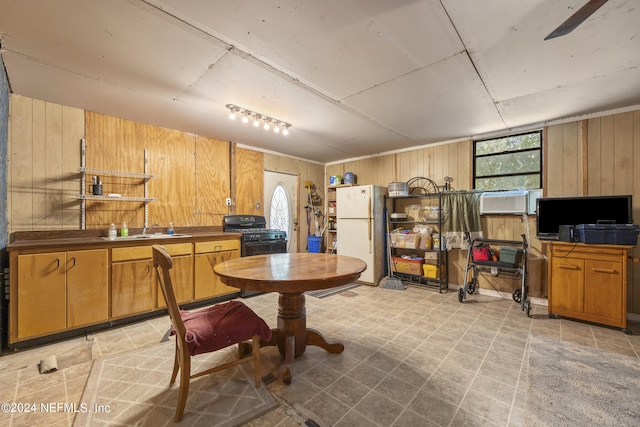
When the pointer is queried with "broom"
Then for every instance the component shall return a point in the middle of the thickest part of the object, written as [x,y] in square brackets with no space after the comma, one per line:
[390,282]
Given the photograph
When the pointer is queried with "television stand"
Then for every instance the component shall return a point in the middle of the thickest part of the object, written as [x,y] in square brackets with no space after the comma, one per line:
[589,282]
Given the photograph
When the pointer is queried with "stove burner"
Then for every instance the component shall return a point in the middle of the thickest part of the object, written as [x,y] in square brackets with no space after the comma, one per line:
[253,228]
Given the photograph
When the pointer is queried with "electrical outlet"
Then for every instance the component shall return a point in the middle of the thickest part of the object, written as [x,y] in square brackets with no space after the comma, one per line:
[228,201]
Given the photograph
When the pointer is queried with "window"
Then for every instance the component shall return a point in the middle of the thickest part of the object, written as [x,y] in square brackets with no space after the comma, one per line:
[508,163]
[279,218]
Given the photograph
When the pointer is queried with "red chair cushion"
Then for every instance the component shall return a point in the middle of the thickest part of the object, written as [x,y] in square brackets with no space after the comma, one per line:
[222,325]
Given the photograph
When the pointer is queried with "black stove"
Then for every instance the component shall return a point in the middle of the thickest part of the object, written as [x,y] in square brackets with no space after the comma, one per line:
[256,239]
[253,228]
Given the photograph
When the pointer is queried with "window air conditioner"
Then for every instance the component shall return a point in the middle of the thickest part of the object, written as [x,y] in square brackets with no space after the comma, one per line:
[504,202]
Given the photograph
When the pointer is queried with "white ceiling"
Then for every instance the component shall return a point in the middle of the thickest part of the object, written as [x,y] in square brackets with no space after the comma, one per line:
[353,77]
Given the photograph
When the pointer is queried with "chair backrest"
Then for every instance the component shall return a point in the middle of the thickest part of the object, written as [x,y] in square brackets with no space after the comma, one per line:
[163,263]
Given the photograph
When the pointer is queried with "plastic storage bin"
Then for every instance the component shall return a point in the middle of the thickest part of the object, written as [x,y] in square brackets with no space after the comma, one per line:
[315,244]
[408,241]
[510,255]
[610,234]
[430,271]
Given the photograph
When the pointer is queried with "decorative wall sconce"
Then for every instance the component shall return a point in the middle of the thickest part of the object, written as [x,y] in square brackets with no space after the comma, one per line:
[256,118]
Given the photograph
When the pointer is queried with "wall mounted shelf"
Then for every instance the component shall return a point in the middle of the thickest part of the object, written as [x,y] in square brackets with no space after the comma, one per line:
[84,197]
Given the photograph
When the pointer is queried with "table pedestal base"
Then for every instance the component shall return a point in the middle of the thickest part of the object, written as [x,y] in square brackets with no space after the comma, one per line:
[292,336]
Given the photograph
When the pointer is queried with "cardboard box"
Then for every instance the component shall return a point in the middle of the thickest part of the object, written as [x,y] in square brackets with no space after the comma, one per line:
[408,266]
[431,256]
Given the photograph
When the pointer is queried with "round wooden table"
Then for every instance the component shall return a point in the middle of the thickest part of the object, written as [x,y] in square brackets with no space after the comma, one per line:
[291,275]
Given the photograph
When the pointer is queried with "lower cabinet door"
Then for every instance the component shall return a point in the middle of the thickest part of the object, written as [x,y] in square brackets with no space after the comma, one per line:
[603,291]
[132,288]
[87,287]
[567,290]
[42,294]
[207,283]
[182,280]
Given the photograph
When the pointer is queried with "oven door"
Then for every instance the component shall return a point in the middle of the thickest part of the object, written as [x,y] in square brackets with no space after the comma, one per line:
[261,248]
[264,248]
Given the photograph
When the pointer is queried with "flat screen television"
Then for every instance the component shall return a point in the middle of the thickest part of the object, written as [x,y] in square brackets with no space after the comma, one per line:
[552,212]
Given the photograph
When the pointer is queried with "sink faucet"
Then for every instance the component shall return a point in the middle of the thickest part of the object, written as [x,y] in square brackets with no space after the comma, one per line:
[145,229]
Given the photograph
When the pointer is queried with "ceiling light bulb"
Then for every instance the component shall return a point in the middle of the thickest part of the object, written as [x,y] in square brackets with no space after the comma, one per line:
[256,122]
[232,115]
[285,131]
[266,125]
[276,129]
[245,119]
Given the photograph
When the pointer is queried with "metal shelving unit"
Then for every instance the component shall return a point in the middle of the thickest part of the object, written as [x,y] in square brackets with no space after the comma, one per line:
[84,197]
[442,256]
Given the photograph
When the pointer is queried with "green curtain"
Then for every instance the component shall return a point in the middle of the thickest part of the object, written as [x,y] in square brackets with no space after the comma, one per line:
[461,211]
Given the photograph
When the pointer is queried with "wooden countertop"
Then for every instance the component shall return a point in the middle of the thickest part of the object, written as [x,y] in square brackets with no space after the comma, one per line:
[96,238]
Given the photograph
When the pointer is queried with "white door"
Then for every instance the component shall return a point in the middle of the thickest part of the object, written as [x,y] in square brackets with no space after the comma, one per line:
[281,205]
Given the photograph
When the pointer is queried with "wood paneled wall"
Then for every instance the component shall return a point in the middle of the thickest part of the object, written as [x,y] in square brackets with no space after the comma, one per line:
[42,165]
[435,162]
[598,156]
[191,174]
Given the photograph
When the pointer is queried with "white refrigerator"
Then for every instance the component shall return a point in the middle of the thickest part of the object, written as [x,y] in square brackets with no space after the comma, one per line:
[361,227]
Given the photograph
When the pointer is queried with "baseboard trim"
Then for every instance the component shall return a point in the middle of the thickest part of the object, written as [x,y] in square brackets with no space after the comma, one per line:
[634,317]
[504,295]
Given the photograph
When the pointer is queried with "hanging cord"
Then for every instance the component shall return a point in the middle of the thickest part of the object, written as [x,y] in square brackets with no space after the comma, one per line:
[526,235]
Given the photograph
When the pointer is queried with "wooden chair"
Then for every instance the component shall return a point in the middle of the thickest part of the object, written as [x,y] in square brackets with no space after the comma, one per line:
[207,330]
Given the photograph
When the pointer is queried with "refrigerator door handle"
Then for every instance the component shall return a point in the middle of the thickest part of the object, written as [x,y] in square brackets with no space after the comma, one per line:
[369,228]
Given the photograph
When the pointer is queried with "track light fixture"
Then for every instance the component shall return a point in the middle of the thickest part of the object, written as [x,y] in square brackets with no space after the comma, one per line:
[256,118]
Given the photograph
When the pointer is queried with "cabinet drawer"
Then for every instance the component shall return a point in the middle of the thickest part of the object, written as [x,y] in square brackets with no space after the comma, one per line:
[599,254]
[217,246]
[177,249]
[131,253]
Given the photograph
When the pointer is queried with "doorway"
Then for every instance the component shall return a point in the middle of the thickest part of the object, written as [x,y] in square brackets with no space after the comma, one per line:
[281,205]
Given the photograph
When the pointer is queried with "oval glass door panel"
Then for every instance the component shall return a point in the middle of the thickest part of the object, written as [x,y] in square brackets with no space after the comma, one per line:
[279,213]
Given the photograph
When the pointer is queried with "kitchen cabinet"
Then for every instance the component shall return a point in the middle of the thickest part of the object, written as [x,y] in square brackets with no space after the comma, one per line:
[207,255]
[181,273]
[61,290]
[60,286]
[248,194]
[87,287]
[133,284]
[42,294]
[589,282]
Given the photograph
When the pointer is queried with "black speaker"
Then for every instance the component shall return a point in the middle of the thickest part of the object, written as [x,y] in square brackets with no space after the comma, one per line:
[566,233]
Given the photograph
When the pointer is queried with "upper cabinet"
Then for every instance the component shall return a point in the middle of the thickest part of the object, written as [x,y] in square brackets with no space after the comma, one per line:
[248,169]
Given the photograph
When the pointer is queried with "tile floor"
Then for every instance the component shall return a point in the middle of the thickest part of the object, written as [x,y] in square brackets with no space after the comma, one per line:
[414,357]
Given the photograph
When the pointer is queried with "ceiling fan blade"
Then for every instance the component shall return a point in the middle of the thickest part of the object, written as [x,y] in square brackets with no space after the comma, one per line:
[576,19]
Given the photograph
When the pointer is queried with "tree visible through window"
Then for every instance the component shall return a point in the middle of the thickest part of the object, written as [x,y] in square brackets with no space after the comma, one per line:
[508,163]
